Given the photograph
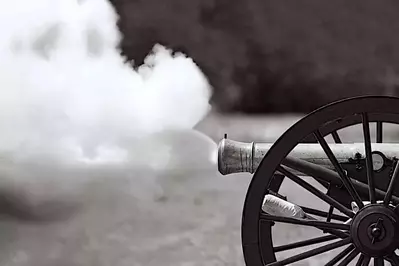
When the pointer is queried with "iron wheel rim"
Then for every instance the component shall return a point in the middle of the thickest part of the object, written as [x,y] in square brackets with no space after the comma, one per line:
[386,109]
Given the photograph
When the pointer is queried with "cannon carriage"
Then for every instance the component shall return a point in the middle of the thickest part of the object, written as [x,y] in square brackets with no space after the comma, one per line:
[358,181]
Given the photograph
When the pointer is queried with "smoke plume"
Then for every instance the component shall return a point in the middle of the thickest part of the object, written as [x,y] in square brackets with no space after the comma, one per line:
[72,110]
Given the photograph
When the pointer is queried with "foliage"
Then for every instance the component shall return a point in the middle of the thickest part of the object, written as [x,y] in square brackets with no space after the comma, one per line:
[273,56]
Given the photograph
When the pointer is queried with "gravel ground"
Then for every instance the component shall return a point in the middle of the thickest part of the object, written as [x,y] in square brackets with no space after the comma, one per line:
[177,218]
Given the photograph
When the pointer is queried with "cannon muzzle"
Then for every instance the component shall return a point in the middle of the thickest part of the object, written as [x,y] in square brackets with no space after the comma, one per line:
[236,157]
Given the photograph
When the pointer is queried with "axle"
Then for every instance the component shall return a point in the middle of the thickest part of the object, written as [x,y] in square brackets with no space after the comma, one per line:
[236,157]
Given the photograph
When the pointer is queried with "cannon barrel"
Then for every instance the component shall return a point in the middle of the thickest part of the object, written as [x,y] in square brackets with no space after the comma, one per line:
[236,157]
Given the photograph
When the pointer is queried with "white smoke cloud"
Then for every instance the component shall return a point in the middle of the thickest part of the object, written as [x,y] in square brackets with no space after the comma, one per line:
[70,104]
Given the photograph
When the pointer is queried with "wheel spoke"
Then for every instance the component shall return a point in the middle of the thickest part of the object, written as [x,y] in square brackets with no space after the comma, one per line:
[391,186]
[349,258]
[330,213]
[363,260]
[315,191]
[393,259]
[378,262]
[336,137]
[369,159]
[325,214]
[313,223]
[323,174]
[360,260]
[379,132]
[305,243]
[340,256]
[311,253]
[345,179]
[276,182]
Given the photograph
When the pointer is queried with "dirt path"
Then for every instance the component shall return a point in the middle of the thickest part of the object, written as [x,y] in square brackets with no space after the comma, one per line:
[189,218]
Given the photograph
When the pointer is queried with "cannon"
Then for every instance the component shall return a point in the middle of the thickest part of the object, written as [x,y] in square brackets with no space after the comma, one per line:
[356,180]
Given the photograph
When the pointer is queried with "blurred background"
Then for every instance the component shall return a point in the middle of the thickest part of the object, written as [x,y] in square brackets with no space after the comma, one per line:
[265,56]
[269,62]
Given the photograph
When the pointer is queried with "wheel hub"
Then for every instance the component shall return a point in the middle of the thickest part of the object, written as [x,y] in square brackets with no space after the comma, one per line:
[375,231]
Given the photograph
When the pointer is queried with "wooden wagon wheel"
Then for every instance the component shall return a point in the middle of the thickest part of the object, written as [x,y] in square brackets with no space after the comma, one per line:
[369,234]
